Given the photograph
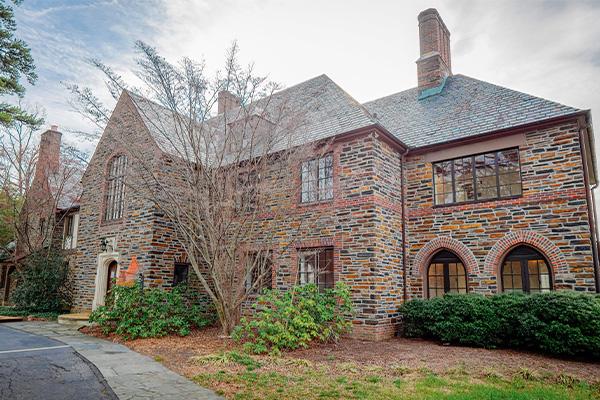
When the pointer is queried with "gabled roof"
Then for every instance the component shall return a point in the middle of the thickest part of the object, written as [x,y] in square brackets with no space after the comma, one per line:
[325,110]
[464,107]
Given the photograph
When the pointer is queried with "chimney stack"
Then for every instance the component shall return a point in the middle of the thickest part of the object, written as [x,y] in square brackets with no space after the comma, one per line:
[227,101]
[433,66]
[49,153]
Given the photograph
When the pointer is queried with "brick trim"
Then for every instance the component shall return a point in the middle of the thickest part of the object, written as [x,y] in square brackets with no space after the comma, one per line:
[494,258]
[426,253]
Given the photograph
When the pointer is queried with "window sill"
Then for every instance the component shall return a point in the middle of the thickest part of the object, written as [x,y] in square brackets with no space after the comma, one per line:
[477,201]
[314,203]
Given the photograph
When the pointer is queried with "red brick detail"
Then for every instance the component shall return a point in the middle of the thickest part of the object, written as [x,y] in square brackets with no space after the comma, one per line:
[427,252]
[498,252]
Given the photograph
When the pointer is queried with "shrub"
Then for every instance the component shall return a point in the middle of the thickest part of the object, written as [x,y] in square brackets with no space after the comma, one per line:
[136,313]
[558,323]
[42,283]
[15,312]
[287,320]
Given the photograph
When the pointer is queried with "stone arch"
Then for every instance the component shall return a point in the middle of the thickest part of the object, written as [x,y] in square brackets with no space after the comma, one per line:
[494,258]
[427,252]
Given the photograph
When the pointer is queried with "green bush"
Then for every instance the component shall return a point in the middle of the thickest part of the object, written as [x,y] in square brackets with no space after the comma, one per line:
[557,323]
[135,313]
[42,283]
[287,320]
[15,312]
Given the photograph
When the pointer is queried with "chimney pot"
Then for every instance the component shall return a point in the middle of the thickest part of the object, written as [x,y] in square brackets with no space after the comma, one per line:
[227,101]
[434,64]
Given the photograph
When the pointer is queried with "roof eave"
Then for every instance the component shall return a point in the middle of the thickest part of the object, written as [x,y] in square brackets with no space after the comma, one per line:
[497,133]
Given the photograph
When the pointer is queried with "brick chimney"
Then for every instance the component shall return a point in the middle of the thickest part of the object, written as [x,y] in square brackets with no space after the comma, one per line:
[227,101]
[434,65]
[48,154]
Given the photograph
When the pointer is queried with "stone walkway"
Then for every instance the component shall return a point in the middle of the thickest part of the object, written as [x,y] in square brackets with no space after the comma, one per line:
[129,374]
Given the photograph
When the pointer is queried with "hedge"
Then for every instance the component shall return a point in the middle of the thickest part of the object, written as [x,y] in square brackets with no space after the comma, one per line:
[557,323]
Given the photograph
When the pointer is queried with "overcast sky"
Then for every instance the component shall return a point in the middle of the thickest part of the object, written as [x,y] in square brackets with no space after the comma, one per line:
[549,49]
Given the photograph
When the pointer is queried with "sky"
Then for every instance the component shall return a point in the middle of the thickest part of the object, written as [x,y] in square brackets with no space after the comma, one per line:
[549,49]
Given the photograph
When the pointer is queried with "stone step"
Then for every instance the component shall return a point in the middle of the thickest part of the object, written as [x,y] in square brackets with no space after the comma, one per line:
[76,320]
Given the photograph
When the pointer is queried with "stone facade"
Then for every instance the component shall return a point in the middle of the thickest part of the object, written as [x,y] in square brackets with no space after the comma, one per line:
[550,216]
[381,223]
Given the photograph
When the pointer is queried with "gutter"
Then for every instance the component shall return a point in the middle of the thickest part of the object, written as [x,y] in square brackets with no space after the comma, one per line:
[584,126]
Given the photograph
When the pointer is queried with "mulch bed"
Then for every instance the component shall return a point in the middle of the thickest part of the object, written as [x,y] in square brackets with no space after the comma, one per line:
[175,352]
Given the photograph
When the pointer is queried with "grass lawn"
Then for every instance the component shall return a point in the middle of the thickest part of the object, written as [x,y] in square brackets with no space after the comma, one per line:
[398,368]
[238,376]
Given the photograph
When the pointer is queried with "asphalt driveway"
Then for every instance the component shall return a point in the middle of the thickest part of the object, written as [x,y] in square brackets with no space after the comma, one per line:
[36,367]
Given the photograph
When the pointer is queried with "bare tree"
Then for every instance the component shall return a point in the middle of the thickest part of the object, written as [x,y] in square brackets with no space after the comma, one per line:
[34,188]
[225,178]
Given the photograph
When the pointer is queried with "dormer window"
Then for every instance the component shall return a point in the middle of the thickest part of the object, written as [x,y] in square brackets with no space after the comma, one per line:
[480,177]
[115,188]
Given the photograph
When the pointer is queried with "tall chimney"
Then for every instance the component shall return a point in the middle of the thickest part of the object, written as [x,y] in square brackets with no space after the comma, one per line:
[227,101]
[48,154]
[434,65]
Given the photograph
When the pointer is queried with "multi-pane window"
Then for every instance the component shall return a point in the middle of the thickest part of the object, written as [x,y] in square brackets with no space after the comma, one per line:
[70,224]
[316,266]
[525,270]
[247,191]
[115,188]
[180,273]
[259,272]
[480,177]
[446,274]
[317,179]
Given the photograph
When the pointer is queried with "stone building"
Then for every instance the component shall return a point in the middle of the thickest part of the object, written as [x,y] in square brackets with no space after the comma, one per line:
[456,185]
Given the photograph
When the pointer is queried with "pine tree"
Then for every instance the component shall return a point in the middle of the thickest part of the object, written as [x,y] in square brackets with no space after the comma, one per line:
[16,63]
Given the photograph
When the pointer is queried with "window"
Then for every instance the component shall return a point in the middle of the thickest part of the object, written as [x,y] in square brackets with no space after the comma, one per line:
[71,225]
[247,191]
[180,273]
[481,177]
[316,266]
[317,179]
[259,266]
[115,188]
[446,274]
[525,270]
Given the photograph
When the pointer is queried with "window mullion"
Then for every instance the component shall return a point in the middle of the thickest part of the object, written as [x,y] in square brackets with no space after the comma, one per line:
[497,168]
[473,177]
[446,278]
[525,275]
[453,182]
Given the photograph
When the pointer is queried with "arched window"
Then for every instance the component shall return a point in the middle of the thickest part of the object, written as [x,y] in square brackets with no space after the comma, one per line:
[526,270]
[446,274]
[115,188]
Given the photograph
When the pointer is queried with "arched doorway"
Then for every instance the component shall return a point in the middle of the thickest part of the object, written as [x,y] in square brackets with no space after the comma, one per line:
[446,274]
[111,276]
[525,269]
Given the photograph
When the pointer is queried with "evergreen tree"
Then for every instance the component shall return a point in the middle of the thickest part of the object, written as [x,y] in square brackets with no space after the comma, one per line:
[16,63]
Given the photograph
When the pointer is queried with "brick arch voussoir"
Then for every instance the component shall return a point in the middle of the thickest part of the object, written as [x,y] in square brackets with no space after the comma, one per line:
[512,239]
[426,252]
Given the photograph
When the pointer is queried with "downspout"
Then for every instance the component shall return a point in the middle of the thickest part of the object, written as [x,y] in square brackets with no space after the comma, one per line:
[589,198]
[403,183]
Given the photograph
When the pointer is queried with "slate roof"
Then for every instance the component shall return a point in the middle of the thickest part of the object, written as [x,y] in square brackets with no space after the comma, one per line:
[465,107]
[323,108]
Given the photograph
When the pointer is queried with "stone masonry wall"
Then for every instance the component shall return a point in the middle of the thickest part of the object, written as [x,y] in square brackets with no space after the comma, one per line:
[135,231]
[551,216]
